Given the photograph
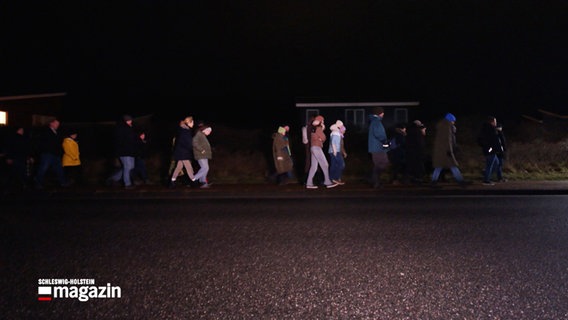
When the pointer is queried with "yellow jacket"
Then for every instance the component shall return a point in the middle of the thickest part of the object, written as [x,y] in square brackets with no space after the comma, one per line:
[70,153]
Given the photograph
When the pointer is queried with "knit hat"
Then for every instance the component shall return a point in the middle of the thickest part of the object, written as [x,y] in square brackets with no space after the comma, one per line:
[334,127]
[419,124]
[450,117]
[282,130]
[339,123]
[127,117]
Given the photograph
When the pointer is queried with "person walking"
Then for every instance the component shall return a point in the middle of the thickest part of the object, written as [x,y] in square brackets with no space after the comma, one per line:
[183,151]
[18,157]
[125,142]
[71,159]
[318,159]
[397,155]
[336,153]
[202,153]
[282,155]
[416,152]
[378,145]
[501,155]
[443,153]
[490,143]
[50,153]
[140,171]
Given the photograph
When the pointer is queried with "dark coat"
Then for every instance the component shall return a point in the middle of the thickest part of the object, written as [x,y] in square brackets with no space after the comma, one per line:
[50,142]
[125,140]
[488,140]
[183,146]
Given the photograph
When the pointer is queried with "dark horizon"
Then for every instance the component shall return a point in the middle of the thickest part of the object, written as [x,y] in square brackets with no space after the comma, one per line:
[176,57]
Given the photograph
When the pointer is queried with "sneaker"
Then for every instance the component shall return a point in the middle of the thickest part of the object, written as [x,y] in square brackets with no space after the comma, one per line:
[172,184]
[333,185]
[311,187]
[205,186]
[488,183]
[502,180]
[339,182]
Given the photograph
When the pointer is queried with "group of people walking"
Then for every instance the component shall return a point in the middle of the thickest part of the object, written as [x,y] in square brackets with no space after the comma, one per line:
[404,153]
[30,160]
[188,145]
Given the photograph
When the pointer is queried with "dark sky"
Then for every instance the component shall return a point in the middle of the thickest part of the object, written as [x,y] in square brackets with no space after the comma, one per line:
[195,57]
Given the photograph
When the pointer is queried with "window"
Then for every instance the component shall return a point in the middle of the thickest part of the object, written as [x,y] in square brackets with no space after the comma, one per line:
[311,113]
[400,115]
[355,118]
[3,118]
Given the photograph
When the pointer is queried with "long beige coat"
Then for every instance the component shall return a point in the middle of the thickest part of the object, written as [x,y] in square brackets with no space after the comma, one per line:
[444,142]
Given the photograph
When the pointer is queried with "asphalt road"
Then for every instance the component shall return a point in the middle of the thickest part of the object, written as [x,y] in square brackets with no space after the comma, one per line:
[386,256]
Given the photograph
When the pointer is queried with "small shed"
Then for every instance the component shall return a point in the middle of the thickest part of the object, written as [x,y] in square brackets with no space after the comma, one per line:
[355,113]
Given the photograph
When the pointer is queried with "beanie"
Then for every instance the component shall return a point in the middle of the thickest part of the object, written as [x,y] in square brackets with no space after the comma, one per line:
[339,123]
[282,130]
[450,117]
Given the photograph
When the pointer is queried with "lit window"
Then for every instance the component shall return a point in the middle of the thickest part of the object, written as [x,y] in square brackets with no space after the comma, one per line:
[3,118]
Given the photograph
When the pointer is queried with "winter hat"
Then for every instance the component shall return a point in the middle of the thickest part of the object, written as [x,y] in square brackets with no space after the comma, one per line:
[339,123]
[334,127]
[206,130]
[319,118]
[127,117]
[450,117]
[282,130]
[418,124]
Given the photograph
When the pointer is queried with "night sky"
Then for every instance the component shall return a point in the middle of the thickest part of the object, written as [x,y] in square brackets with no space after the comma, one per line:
[196,57]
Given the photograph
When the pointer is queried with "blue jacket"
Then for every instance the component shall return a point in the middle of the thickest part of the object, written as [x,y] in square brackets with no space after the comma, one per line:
[377,135]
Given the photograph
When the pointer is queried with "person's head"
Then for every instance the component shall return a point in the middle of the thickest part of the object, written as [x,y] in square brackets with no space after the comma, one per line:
[499,127]
[20,130]
[54,124]
[128,119]
[206,130]
[492,121]
[188,121]
[379,111]
[450,117]
[282,130]
[401,126]
[318,121]
[72,133]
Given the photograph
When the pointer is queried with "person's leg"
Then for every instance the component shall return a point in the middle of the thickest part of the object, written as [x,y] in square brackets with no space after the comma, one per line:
[323,164]
[436,174]
[58,168]
[201,174]
[41,170]
[334,166]
[380,163]
[490,162]
[313,168]
[127,166]
[457,174]
[188,169]
[177,170]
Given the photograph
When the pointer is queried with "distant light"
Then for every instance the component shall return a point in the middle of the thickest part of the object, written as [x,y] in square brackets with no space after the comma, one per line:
[3,118]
